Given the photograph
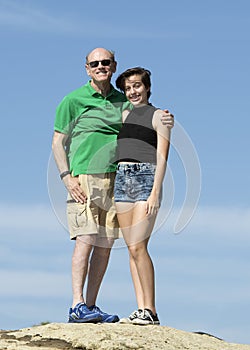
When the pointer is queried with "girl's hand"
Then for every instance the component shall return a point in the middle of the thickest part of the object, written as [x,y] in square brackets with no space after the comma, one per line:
[152,204]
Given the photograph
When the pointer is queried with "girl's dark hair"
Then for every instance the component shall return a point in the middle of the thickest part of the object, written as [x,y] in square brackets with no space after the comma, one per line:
[145,78]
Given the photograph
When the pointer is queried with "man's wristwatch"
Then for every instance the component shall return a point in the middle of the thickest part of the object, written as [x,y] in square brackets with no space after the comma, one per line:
[65,173]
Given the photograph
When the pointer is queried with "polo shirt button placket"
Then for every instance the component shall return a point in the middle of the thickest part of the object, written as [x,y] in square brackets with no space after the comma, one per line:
[108,105]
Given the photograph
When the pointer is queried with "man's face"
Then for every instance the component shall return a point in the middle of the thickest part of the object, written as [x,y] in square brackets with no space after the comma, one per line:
[100,66]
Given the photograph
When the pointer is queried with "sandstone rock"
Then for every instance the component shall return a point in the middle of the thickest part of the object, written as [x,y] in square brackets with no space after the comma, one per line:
[61,336]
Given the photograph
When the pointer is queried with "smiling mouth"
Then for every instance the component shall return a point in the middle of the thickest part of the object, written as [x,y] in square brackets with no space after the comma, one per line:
[135,98]
[102,70]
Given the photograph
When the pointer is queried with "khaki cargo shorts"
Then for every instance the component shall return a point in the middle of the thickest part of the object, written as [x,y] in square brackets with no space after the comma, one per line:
[98,215]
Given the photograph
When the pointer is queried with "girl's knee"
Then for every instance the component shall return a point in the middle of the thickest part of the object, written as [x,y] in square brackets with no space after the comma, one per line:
[136,251]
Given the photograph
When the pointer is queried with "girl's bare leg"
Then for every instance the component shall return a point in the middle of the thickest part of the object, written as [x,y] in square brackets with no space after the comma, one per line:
[137,228]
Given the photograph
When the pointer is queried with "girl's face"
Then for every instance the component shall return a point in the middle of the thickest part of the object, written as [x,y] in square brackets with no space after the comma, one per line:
[135,90]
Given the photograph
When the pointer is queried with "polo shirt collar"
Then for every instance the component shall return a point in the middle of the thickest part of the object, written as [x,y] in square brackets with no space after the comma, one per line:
[93,92]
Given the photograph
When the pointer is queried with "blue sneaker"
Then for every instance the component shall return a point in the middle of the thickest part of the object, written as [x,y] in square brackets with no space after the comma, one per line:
[105,317]
[81,314]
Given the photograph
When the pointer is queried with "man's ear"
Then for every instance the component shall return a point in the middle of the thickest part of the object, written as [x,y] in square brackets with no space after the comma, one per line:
[114,65]
[87,69]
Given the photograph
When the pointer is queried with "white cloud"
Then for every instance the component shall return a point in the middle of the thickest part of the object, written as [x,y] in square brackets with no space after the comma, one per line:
[215,220]
[16,14]
[25,16]
[220,222]
[223,220]
[29,217]
[33,284]
[206,280]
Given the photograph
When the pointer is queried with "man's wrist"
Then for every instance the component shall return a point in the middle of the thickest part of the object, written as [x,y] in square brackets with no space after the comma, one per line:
[64,173]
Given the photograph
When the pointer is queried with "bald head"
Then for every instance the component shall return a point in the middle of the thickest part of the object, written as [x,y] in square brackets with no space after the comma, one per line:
[100,51]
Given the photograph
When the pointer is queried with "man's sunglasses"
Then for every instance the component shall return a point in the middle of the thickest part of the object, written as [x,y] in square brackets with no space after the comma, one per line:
[104,63]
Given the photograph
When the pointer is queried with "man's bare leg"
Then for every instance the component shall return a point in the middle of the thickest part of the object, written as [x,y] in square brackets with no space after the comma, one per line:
[97,268]
[80,263]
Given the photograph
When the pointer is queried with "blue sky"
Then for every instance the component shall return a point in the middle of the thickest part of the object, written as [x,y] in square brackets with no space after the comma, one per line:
[198,54]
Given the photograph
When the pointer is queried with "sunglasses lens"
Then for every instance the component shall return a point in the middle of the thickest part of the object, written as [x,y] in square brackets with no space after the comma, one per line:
[94,64]
[104,63]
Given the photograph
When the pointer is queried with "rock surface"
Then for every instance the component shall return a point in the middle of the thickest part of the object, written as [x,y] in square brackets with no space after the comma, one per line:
[61,336]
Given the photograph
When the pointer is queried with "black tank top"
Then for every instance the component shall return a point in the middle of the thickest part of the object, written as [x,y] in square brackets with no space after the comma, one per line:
[137,139]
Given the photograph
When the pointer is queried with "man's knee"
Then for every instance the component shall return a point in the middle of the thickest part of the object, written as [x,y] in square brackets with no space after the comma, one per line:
[103,247]
[83,248]
[101,252]
[104,242]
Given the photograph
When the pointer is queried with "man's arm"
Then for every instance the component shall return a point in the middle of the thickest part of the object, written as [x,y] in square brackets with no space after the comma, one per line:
[71,183]
[167,118]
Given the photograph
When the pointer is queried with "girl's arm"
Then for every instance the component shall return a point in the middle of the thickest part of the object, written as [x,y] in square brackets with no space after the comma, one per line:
[163,145]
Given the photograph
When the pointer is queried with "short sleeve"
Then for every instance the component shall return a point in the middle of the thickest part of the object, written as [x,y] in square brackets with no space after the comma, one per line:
[63,117]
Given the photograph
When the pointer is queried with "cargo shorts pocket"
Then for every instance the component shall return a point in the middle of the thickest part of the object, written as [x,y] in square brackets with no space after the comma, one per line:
[76,214]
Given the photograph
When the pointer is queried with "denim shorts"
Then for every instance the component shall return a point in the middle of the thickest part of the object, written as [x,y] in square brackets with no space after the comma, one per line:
[134,182]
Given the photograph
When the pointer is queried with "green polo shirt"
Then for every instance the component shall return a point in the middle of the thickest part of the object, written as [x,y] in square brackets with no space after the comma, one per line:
[92,122]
